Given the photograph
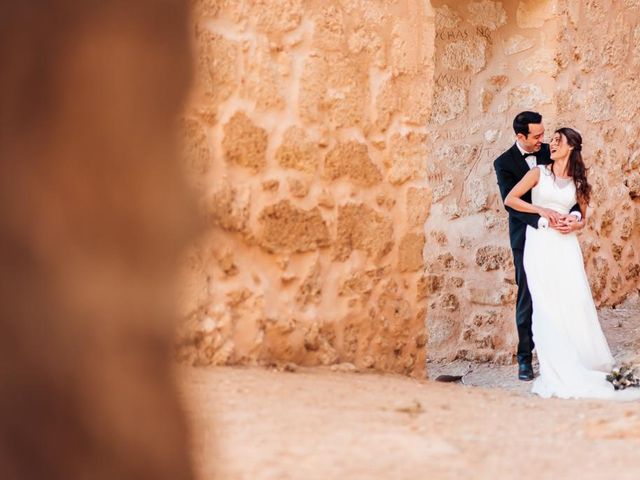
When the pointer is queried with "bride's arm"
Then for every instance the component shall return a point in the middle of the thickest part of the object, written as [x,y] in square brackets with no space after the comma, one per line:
[514,201]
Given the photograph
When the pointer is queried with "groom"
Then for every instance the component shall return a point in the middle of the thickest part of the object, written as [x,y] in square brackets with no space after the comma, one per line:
[527,152]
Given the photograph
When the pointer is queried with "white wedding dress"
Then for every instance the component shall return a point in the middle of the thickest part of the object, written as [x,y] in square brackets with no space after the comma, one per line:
[573,354]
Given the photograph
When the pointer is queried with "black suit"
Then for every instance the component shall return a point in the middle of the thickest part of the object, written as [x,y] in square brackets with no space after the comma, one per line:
[510,168]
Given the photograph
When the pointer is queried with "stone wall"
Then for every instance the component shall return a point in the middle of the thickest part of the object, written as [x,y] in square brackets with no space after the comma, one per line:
[342,154]
[305,138]
[577,64]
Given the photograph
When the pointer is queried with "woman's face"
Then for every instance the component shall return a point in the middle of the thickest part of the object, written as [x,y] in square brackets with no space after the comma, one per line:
[560,148]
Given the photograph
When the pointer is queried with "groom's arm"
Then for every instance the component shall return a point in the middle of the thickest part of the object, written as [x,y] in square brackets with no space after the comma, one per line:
[575,210]
[506,181]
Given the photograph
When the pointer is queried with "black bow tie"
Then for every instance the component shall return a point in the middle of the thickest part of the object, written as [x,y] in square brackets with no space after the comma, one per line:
[525,155]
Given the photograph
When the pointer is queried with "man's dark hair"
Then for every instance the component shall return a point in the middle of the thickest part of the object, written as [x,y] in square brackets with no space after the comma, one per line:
[522,121]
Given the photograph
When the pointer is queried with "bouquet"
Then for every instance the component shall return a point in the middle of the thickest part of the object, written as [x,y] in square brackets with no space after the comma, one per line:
[623,377]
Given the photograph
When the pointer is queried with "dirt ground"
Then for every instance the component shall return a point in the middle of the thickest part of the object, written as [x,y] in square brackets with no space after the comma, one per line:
[249,423]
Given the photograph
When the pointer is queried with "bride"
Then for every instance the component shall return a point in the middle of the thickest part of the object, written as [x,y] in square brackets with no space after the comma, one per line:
[572,351]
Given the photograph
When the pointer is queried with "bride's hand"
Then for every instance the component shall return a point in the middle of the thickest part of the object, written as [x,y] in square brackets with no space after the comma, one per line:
[551,215]
[569,224]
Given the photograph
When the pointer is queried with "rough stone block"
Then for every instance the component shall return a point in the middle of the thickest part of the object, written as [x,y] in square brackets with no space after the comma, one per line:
[276,17]
[195,149]
[264,80]
[428,285]
[297,152]
[449,103]
[492,257]
[361,228]
[446,18]
[469,55]
[406,157]
[334,90]
[487,13]
[216,71]
[410,252]
[228,208]
[244,143]
[287,229]
[351,160]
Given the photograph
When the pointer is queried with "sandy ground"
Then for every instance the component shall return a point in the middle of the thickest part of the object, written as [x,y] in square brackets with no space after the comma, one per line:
[321,424]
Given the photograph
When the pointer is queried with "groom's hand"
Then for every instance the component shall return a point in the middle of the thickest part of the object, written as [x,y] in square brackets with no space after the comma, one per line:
[569,224]
[551,215]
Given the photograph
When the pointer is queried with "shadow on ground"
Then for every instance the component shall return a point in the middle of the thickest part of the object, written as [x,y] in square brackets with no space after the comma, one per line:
[621,326]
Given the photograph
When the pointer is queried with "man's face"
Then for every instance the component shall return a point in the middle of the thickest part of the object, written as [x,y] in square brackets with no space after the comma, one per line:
[533,141]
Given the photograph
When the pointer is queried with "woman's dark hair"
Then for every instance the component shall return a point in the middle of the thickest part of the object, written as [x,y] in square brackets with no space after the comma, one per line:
[575,167]
[522,121]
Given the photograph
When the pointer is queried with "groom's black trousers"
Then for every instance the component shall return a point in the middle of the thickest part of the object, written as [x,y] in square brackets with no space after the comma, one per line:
[524,309]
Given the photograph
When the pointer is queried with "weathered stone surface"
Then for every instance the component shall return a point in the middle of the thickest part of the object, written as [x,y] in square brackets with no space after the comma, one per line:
[534,13]
[632,182]
[465,55]
[310,291]
[504,295]
[442,186]
[297,152]
[478,195]
[216,73]
[195,150]
[449,103]
[598,277]
[599,106]
[244,143]
[406,157]
[227,263]
[276,17]
[369,41]
[298,187]
[334,89]
[492,257]
[228,208]
[446,18]
[351,160]
[494,86]
[410,252]
[264,82]
[428,285]
[442,330]
[271,185]
[362,284]
[527,96]
[517,43]
[329,29]
[361,228]
[283,338]
[487,13]
[449,303]
[408,94]
[458,156]
[385,202]
[287,229]
[326,200]
[418,206]
[338,72]
[542,61]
